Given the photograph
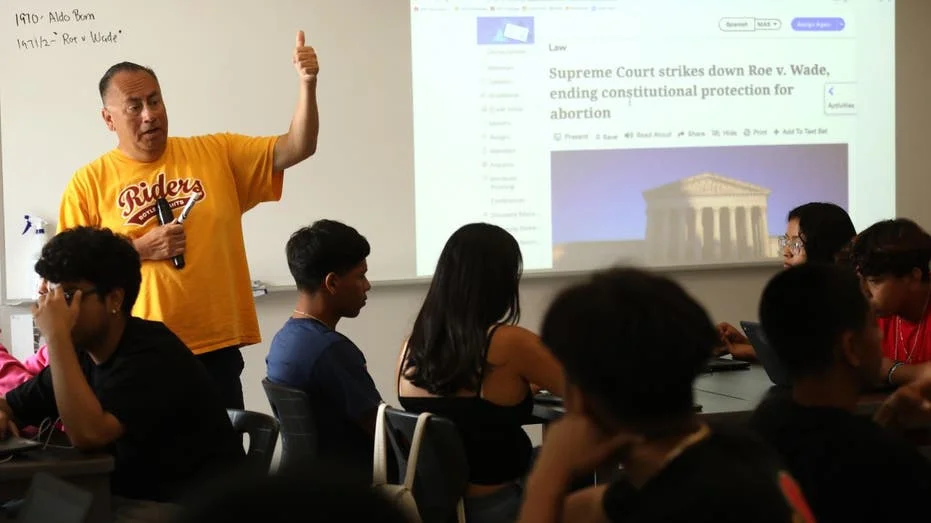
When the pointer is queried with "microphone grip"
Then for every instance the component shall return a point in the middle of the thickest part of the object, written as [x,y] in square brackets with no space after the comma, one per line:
[165,215]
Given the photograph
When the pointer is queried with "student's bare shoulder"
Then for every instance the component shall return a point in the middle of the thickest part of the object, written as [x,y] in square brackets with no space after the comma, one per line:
[514,338]
[515,333]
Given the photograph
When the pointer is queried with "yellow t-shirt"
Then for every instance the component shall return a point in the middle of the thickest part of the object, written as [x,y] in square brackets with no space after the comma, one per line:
[209,302]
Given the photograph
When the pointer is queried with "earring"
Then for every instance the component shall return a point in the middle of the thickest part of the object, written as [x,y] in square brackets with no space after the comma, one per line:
[114,311]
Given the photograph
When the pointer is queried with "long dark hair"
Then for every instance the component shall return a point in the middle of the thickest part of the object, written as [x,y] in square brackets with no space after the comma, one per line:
[825,229]
[475,287]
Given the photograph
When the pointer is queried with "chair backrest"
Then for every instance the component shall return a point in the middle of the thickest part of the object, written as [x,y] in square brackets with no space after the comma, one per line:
[263,436]
[299,437]
[442,470]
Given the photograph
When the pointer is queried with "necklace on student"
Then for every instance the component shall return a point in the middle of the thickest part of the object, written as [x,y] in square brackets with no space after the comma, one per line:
[693,438]
[900,338]
[307,315]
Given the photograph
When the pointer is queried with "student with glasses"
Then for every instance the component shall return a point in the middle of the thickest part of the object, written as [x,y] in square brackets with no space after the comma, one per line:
[120,384]
[14,372]
[815,232]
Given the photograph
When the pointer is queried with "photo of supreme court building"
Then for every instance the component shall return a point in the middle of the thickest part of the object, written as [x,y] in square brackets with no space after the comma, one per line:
[701,219]
[707,217]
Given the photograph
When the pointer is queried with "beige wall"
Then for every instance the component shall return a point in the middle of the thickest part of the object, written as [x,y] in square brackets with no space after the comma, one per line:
[913,110]
[384,322]
[729,294]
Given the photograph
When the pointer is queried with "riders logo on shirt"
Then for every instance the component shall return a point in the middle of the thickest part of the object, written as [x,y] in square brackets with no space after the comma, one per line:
[137,202]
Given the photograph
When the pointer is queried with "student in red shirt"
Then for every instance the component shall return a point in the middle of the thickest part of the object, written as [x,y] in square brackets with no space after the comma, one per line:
[892,258]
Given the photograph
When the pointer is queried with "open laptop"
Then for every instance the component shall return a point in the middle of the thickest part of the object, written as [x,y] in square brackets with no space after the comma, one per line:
[15,444]
[545,397]
[721,364]
[771,362]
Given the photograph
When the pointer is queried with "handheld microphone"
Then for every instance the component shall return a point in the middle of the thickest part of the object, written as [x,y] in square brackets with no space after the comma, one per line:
[166,216]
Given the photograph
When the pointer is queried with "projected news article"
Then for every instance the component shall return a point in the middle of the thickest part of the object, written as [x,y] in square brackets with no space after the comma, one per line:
[606,132]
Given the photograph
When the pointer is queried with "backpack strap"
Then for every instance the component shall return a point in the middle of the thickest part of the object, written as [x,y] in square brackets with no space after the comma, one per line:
[415,450]
[380,455]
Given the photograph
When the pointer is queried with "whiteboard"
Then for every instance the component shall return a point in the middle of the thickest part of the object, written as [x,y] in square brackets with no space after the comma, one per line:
[223,65]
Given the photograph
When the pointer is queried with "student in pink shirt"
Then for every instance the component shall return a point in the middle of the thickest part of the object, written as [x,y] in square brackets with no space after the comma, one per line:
[14,373]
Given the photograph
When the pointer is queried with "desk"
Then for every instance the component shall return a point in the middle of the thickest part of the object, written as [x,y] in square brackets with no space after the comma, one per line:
[730,397]
[90,472]
[726,397]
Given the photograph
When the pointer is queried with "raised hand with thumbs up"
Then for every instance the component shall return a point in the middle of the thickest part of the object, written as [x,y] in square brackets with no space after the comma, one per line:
[305,60]
[300,142]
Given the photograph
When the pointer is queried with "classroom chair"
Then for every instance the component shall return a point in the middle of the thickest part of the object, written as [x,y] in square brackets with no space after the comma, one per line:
[442,470]
[263,436]
[295,414]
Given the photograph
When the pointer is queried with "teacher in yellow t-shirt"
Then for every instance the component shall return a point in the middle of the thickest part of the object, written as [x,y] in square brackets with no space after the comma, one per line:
[208,303]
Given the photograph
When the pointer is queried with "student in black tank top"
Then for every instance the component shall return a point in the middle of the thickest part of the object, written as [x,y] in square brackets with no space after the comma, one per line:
[467,361]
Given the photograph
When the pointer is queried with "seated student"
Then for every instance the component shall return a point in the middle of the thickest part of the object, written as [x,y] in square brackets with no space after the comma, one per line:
[632,344]
[815,232]
[823,329]
[14,373]
[327,261]
[107,375]
[468,361]
[892,258]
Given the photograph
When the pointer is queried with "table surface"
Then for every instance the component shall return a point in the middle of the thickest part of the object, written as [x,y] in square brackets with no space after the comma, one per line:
[732,393]
[88,471]
[61,462]
[732,390]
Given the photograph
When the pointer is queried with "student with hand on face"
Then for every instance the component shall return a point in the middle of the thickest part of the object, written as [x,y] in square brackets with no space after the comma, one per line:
[609,332]
[328,263]
[850,468]
[815,232]
[120,384]
[892,258]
